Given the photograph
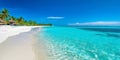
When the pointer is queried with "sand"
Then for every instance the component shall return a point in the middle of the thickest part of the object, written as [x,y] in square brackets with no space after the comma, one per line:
[8,31]
[21,46]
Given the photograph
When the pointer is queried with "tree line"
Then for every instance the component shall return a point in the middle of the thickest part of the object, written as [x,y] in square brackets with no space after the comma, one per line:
[7,19]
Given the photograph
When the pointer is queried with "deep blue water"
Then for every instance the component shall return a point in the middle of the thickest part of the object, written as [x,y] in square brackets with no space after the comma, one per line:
[76,43]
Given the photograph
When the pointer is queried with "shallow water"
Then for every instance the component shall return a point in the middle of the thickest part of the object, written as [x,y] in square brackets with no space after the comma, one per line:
[66,43]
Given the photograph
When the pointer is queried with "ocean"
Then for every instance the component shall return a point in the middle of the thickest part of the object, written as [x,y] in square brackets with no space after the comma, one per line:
[81,43]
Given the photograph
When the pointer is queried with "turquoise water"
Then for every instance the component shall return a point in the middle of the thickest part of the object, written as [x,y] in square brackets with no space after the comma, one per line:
[66,43]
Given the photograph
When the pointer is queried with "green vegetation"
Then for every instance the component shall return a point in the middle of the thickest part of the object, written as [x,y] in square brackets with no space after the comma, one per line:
[6,19]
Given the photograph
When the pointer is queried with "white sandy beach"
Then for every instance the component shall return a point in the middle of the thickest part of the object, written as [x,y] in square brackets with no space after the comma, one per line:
[8,31]
[18,47]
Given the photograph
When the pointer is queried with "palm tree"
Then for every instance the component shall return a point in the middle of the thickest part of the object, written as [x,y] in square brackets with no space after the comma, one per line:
[0,14]
[5,18]
[5,14]
[20,20]
[33,23]
[13,18]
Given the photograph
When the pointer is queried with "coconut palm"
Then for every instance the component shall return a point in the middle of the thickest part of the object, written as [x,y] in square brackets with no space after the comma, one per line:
[4,14]
[20,20]
[0,16]
[5,18]
[13,18]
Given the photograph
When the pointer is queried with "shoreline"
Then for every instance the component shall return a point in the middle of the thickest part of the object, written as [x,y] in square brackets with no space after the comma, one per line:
[19,47]
[40,50]
[7,31]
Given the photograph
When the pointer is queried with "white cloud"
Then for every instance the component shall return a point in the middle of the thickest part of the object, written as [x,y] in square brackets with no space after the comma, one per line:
[55,17]
[101,23]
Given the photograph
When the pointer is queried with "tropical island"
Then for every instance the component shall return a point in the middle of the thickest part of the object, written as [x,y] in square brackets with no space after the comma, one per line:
[7,19]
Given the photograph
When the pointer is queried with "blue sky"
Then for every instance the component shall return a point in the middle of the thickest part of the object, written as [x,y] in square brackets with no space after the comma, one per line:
[64,12]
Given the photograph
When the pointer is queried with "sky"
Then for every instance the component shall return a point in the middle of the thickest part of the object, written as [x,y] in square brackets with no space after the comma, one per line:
[65,12]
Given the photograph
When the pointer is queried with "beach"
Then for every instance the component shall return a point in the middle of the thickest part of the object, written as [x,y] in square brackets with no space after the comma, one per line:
[8,31]
[17,43]
[60,43]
